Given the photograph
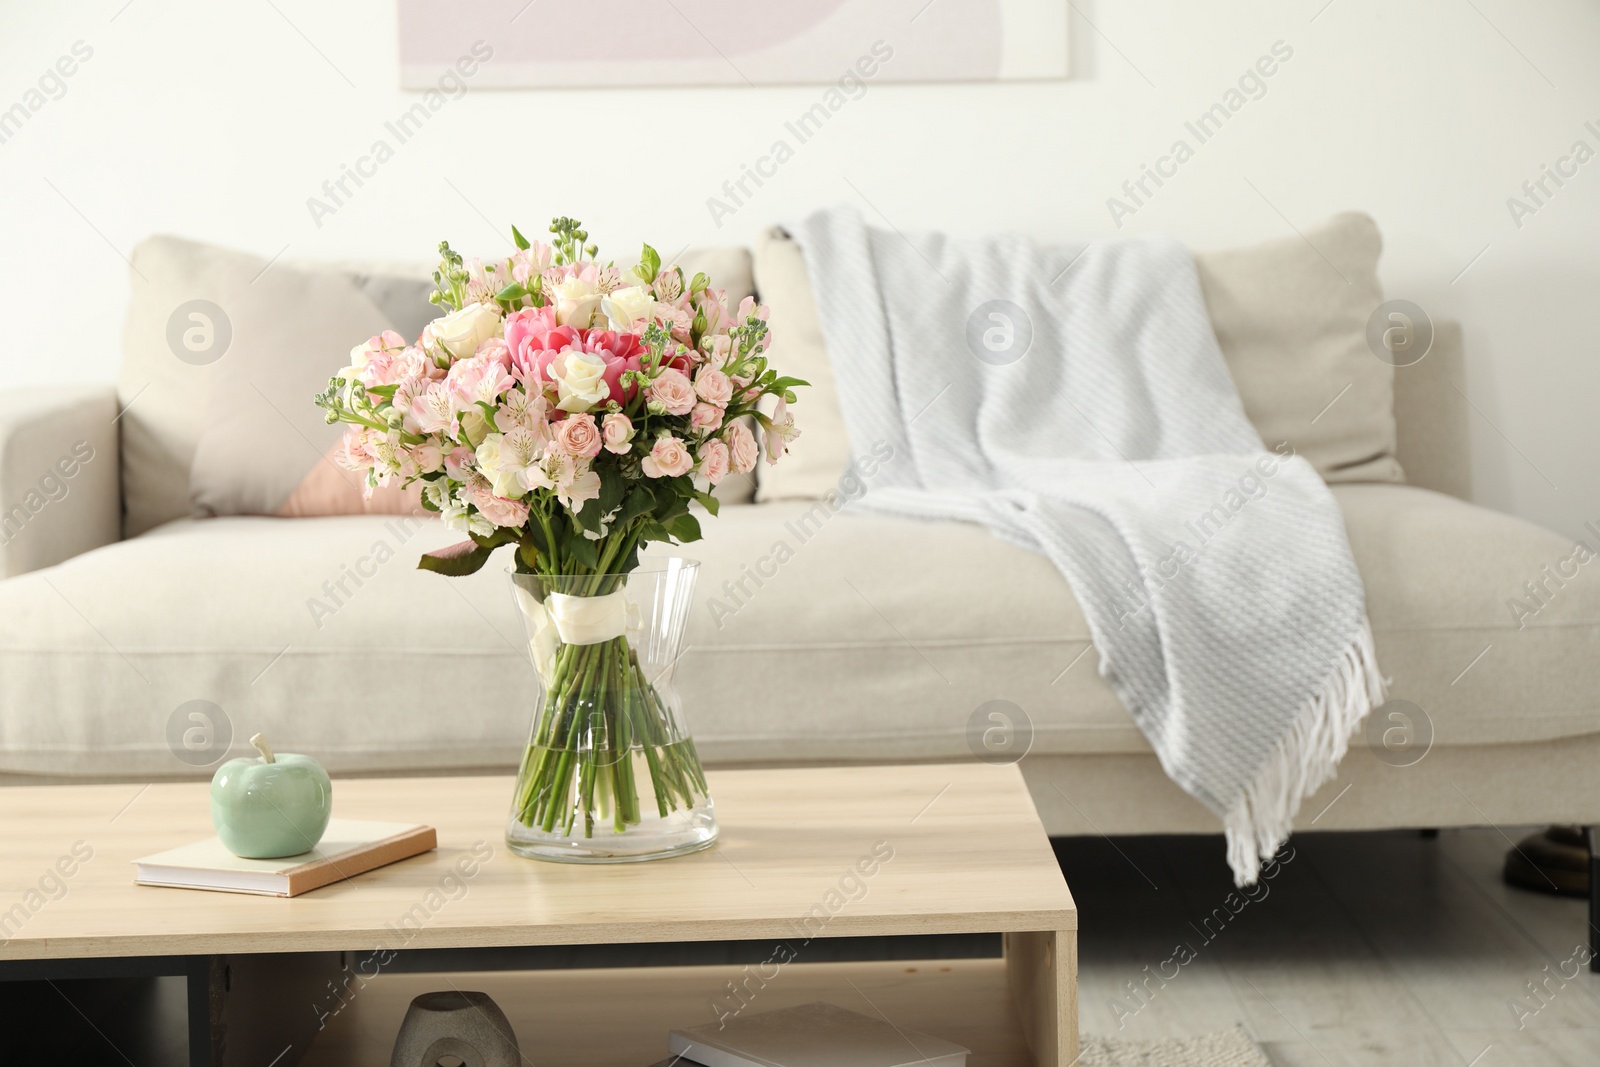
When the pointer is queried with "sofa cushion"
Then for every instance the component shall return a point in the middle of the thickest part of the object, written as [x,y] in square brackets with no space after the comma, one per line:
[1290,317]
[814,636]
[220,348]
[226,397]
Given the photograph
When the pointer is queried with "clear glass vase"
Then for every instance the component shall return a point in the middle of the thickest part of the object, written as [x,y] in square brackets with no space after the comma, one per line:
[610,773]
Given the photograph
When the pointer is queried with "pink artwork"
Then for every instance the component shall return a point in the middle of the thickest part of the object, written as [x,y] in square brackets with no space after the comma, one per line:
[597,43]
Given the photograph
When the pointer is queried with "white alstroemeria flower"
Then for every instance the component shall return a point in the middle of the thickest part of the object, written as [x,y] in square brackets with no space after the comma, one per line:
[511,461]
[435,411]
[518,410]
[572,479]
[781,432]
[455,517]
[437,493]
[387,452]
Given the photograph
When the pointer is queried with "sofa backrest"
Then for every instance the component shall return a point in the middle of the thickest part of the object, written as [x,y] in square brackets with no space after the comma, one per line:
[168,369]
[1430,415]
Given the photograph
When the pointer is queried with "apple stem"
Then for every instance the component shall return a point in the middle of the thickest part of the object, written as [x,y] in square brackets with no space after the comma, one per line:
[260,741]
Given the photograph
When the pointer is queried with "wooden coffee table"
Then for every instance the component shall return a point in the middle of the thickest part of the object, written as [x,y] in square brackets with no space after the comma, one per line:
[804,854]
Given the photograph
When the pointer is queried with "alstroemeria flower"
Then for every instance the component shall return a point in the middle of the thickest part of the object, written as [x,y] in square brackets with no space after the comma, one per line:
[435,411]
[480,379]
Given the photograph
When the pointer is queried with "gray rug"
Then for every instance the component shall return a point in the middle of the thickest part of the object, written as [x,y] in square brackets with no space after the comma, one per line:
[1229,1048]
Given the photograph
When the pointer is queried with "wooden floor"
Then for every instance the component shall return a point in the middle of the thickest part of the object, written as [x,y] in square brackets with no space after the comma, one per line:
[1365,949]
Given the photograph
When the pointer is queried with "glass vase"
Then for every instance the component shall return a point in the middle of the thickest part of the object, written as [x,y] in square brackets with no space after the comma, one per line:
[610,773]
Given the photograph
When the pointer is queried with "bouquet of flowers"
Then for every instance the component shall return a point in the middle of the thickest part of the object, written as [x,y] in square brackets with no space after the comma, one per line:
[571,411]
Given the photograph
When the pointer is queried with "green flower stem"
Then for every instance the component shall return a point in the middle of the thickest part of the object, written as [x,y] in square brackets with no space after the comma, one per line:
[600,708]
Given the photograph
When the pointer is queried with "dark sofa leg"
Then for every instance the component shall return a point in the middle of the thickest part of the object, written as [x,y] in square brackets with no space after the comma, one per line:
[1593,834]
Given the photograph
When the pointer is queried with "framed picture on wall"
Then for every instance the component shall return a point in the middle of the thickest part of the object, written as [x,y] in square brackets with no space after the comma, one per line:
[538,44]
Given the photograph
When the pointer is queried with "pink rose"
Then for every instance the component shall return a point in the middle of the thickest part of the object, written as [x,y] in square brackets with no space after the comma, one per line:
[428,457]
[502,512]
[672,390]
[669,458]
[617,431]
[714,461]
[713,386]
[743,452]
[707,418]
[497,349]
[577,435]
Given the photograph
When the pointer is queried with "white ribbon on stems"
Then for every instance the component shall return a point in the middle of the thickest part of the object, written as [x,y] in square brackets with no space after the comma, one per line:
[573,620]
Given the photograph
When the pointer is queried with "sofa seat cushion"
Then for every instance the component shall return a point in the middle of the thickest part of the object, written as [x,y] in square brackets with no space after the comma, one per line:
[815,636]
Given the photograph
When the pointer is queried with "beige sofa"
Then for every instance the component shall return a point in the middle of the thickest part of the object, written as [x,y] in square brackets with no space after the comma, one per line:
[839,637]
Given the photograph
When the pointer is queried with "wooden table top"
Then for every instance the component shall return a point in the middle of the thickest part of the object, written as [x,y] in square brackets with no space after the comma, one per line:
[954,848]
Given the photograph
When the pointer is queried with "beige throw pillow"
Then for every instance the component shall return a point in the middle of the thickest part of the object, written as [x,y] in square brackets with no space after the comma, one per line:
[1290,316]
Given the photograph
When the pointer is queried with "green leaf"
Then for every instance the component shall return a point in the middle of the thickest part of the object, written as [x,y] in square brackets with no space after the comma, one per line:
[528,555]
[583,550]
[654,531]
[588,517]
[612,486]
[637,502]
[488,416]
[707,501]
[514,291]
[684,528]
[458,560]
[522,242]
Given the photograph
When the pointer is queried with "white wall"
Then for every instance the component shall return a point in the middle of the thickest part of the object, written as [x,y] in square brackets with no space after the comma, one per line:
[218,121]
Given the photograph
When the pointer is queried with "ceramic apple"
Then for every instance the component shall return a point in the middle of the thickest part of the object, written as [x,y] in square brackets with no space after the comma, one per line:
[271,806]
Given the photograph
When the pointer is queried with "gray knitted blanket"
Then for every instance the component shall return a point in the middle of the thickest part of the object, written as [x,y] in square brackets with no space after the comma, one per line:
[1074,401]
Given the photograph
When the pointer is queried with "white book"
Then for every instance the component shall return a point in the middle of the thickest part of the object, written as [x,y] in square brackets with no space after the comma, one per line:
[349,847]
[813,1035]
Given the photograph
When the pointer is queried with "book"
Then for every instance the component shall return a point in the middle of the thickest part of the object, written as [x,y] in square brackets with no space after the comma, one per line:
[348,847]
[813,1035]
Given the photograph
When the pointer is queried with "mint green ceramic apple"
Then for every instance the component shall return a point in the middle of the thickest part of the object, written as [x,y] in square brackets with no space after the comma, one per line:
[277,805]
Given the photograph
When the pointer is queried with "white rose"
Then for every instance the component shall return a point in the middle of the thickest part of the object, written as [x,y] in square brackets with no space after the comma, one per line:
[576,303]
[580,381]
[624,307]
[461,332]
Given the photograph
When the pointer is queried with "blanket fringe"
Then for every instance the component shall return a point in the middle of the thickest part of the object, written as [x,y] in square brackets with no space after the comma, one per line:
[1304,759]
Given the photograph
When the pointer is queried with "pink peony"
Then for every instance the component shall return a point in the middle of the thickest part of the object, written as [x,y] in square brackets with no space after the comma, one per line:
[742,449]
[714,461]
[617,430]
[577,435]
[672,390]
[668,459]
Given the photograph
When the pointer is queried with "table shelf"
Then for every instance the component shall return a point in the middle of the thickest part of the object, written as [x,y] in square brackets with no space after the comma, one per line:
[619,1016]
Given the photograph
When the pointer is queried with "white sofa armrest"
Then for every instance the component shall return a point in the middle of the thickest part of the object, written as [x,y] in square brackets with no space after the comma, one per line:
[60,481]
